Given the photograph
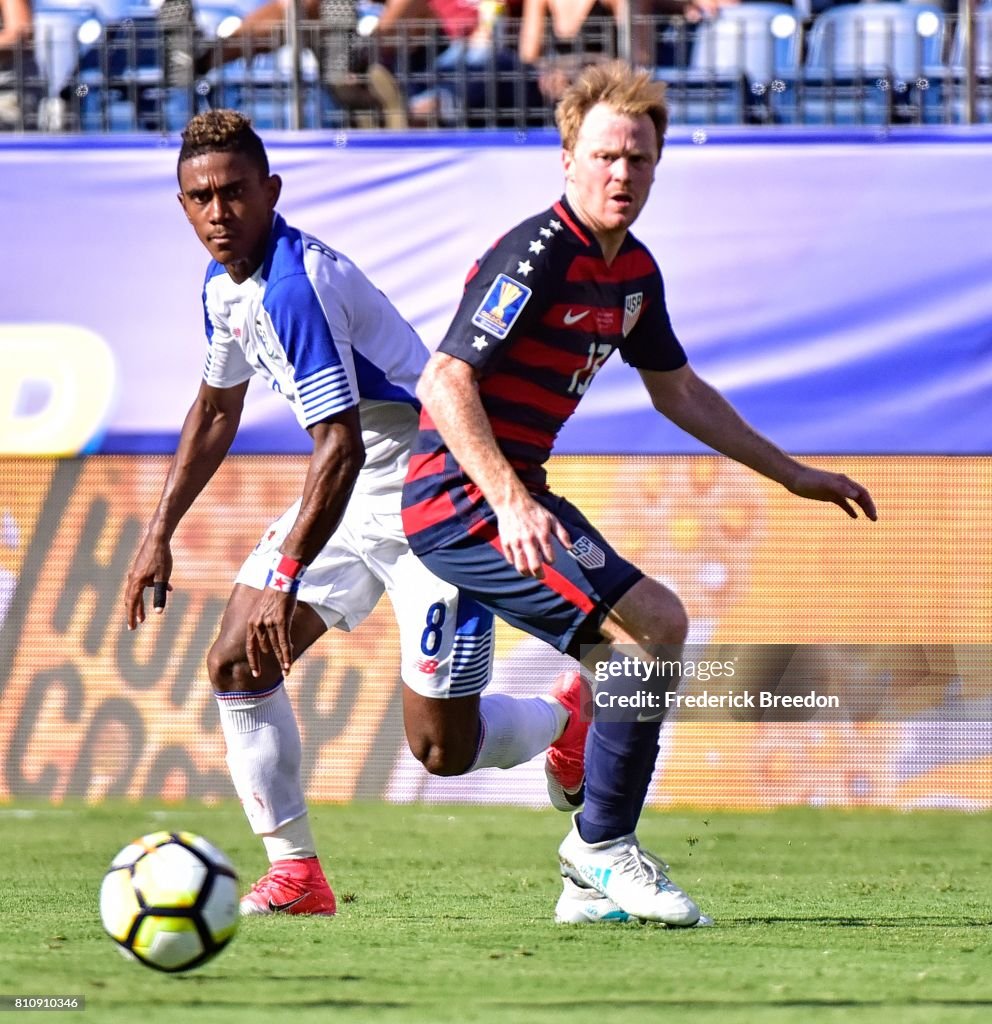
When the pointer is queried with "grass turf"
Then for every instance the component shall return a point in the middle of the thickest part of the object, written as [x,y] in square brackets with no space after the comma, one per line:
[446,916]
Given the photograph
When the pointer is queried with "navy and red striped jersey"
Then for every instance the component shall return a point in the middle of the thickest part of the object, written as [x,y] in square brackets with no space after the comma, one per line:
[542,311]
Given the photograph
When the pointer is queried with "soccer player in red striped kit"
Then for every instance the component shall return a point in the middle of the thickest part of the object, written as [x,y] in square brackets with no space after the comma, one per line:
[542,311]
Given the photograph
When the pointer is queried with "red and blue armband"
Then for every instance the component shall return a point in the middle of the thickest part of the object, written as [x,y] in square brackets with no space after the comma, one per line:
[285,574]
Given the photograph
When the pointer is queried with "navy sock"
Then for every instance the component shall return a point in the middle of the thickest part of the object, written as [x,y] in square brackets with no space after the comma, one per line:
[650,760]
[620,759]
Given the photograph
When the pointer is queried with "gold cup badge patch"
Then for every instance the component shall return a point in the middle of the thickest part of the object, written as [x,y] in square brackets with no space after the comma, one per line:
[501,307]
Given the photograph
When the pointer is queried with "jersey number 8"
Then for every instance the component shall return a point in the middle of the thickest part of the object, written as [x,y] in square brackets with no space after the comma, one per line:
[430,640]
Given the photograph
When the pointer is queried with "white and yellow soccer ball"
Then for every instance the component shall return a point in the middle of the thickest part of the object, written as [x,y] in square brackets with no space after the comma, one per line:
[170,900]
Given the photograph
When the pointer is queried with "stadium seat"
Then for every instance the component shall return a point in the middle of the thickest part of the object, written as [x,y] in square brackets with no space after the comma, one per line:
[261,84]
[120,78]
[219,18]
[56,40]
[741,61]
[866,61]
[113,11]
[264,86]
[944,99]
[99,60]
[217,21]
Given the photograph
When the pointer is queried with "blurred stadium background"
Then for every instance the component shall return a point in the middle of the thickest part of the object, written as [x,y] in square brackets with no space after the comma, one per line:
[818,217]
[147,65]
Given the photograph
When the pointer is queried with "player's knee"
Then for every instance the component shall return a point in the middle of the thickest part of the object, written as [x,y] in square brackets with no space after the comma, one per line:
[441,758]
[674,621]
[651,615]
[227,671]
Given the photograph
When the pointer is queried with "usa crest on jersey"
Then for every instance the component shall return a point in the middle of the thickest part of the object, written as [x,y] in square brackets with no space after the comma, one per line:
[501,307]
[631,311]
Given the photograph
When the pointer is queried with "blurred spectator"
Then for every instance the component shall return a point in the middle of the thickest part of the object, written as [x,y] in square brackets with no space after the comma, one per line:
[327,28]
[189,55]
[446,52]
[692,10]
[16,60]
[361,85]
[584,32]
[470,74]
[676,31]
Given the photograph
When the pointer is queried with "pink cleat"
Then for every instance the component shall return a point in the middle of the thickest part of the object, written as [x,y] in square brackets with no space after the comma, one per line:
[291,887]
[565,764]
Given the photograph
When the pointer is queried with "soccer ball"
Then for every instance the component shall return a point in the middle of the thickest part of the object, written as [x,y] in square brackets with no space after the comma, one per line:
[170,900]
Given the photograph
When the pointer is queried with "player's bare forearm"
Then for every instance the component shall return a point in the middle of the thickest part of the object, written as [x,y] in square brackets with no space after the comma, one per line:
[450,395]
[531,31]
[206,437]
[700,410]
[338,457]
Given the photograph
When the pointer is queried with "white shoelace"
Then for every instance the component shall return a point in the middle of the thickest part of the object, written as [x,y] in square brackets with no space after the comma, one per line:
[657,861]
[646,866]
[635,863]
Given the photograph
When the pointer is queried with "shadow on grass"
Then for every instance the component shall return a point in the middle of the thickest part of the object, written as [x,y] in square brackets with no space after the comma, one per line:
[862,922]
[610,1004]
[742,1004]
[291,1004]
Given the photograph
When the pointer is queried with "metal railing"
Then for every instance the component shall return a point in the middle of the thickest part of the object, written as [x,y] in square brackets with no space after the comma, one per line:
[137,74]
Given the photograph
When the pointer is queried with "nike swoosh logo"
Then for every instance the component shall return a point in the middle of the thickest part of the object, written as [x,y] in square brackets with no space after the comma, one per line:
[655,716]
[277,907]
[573,318]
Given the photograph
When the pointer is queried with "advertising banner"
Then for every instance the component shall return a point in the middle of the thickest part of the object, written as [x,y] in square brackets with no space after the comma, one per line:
[835,288]
[898,612]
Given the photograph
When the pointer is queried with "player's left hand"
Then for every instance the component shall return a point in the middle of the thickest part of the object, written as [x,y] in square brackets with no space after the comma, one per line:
[819,485]
[268,630]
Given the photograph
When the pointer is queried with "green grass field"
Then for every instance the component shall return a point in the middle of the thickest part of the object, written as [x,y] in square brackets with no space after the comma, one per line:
[446,916]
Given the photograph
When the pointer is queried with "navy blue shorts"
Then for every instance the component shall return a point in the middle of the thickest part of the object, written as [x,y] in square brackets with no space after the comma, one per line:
[566,608]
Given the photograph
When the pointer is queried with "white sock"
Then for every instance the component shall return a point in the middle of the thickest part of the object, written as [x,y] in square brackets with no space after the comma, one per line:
[264,753]
[514,729]
[292,841]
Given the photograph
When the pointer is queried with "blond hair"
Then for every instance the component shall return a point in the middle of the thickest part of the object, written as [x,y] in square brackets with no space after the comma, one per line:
[223,131]
[620,87]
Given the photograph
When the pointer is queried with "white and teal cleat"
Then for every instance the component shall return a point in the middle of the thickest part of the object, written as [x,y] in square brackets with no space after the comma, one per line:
[581,904]
[628,876]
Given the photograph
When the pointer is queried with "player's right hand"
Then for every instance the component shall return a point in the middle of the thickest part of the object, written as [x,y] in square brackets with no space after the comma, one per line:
[152,567]
[525,531]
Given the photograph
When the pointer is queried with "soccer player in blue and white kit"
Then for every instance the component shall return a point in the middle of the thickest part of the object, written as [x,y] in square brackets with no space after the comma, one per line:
[542,311]
[282,305]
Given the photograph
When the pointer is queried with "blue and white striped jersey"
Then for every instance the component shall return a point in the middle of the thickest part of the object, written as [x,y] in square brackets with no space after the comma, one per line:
[317,331]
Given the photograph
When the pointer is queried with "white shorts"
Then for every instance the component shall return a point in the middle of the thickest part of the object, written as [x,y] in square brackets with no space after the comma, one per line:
[446,641]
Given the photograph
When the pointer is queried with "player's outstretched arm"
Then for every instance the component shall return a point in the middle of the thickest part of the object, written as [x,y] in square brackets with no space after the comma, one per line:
[700,410]
[205,439]
[338,457]
[450,394]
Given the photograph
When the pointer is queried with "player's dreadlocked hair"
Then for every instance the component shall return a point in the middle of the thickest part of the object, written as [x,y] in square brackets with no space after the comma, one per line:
[619,86]
[222,131]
